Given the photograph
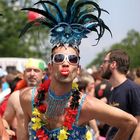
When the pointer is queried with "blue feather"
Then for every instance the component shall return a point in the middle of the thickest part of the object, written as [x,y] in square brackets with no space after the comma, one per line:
[72,26]
[57,7]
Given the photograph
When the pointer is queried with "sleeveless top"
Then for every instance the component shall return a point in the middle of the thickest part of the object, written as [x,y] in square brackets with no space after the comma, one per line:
[77,132]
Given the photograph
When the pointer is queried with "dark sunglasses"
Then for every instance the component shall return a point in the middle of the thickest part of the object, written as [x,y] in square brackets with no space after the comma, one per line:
[60,58]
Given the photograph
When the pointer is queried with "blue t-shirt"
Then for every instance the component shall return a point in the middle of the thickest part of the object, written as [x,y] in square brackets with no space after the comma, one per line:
[126,97]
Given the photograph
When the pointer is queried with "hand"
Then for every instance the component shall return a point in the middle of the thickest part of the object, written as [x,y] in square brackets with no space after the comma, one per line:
[7,135]
[97,135]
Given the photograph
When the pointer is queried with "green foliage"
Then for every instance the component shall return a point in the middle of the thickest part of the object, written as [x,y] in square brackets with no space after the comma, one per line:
[11,45]
[10,25]
[130,44]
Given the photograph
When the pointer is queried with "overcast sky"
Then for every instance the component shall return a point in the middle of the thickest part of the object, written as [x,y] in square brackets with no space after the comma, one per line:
[124,16]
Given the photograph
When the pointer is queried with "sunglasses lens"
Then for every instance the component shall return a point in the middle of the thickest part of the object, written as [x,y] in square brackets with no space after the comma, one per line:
[73,59]
[58,58]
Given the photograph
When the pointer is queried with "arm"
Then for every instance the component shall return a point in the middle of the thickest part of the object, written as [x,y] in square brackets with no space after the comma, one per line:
[3,134]
[125,122]
[25,101]
[136,135]
[94,126]
[10,111]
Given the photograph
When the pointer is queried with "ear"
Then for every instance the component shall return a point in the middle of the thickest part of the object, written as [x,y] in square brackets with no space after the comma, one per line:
[113,65]
[44,73]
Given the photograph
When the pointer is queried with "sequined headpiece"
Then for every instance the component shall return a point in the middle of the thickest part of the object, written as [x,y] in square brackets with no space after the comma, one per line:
[70,26]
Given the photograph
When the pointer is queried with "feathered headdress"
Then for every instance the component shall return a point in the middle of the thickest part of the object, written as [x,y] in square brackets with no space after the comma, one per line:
[70,26]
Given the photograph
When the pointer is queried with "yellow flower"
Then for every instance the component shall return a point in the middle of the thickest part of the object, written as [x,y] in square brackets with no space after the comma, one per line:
[36,126]
[74,85]
[88,135]
[36,120]
[36,112]
[63,135]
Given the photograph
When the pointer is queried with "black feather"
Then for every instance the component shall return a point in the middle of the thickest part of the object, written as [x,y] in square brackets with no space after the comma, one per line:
[33,23]
[58,8]
[68,10]
[90,17]
[79,5]
[43,13]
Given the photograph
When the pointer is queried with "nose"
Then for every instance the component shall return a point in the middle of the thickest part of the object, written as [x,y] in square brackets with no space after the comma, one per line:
[32,72]
[65,62]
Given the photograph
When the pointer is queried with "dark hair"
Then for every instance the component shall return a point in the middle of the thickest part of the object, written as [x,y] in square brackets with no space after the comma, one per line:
[13,83]
[122,59]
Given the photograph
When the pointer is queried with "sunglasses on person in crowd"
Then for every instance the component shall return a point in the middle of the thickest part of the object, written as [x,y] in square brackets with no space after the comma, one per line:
[60,58]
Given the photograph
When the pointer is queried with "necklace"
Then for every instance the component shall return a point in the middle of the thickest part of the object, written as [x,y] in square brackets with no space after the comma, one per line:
[56,104]
[39,119]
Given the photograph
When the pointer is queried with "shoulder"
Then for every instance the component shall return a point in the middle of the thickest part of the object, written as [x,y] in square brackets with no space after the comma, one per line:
[133,86]
[14,96]
[25,94]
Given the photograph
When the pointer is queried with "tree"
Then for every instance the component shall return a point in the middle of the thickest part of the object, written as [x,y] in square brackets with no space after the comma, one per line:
[130,44]
[11,45]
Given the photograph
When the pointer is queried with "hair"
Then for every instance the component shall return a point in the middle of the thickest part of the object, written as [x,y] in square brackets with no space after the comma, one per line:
[122,59]
[13,83]
[63,45]
[83,80]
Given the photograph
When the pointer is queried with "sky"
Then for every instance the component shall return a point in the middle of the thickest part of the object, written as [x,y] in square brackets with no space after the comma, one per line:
[124,16]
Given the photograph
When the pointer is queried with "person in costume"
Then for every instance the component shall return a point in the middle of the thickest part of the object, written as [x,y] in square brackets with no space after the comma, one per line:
[33,75]
[56,110]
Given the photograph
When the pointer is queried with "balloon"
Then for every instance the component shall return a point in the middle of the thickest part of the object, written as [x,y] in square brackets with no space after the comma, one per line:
[33,16]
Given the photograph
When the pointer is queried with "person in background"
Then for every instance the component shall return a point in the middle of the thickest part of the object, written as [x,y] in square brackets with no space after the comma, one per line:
[86,85]
[3,75]
[125,94]
[5,133]
[137,79]
[33,75]
[57,109]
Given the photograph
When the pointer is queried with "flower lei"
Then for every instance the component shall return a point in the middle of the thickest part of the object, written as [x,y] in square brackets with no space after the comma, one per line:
[39,120]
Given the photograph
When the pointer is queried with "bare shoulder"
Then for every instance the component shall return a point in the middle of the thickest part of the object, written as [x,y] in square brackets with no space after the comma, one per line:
[26,100]
[26,93]
[14,95]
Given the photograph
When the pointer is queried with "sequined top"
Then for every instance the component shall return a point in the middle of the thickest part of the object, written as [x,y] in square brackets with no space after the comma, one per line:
[77,132]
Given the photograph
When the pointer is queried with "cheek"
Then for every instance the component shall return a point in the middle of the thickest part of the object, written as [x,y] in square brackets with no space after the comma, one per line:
[75,72]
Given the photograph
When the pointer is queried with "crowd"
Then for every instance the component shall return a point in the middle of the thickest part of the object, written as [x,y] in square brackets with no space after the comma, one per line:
[92,83]
[62,101]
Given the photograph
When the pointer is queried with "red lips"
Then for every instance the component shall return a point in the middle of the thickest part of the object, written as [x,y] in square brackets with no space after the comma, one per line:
[64,72]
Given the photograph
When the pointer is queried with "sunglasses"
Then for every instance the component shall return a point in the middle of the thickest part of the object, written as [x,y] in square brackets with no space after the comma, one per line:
[60,58]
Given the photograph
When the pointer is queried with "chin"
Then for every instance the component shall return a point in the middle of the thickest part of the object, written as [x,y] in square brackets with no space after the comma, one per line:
[65,79]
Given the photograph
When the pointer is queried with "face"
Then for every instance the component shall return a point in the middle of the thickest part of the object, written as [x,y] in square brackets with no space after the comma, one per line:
[106,72]
[33,76]
[65,64]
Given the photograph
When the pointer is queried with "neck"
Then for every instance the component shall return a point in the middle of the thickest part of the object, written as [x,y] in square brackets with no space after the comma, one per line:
[60,88]
[117,79]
